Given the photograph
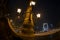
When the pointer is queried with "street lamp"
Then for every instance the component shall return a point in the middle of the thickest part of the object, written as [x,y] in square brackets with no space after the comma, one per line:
[32,3]
[19,11]
[38,15]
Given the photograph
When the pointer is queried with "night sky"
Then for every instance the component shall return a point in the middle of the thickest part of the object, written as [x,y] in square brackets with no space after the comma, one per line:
[49,9]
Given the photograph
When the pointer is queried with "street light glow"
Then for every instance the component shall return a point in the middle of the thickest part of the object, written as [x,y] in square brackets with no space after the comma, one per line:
[32,3]
[19,11]
[38,15]
[18,17]
[11,20]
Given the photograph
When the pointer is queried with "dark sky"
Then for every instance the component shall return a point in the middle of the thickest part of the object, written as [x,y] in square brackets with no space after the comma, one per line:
[49,9]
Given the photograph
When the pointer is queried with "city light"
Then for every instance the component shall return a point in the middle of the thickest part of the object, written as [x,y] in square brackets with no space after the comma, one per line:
[38,15]
[11,20]
[18,17]
[19,11]
[32,3]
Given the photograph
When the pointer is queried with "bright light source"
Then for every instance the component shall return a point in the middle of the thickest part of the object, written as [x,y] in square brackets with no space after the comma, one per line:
[19,11]
[32,3]
[38,15]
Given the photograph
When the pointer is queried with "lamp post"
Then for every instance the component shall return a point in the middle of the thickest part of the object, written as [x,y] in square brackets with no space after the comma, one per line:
[38,17]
